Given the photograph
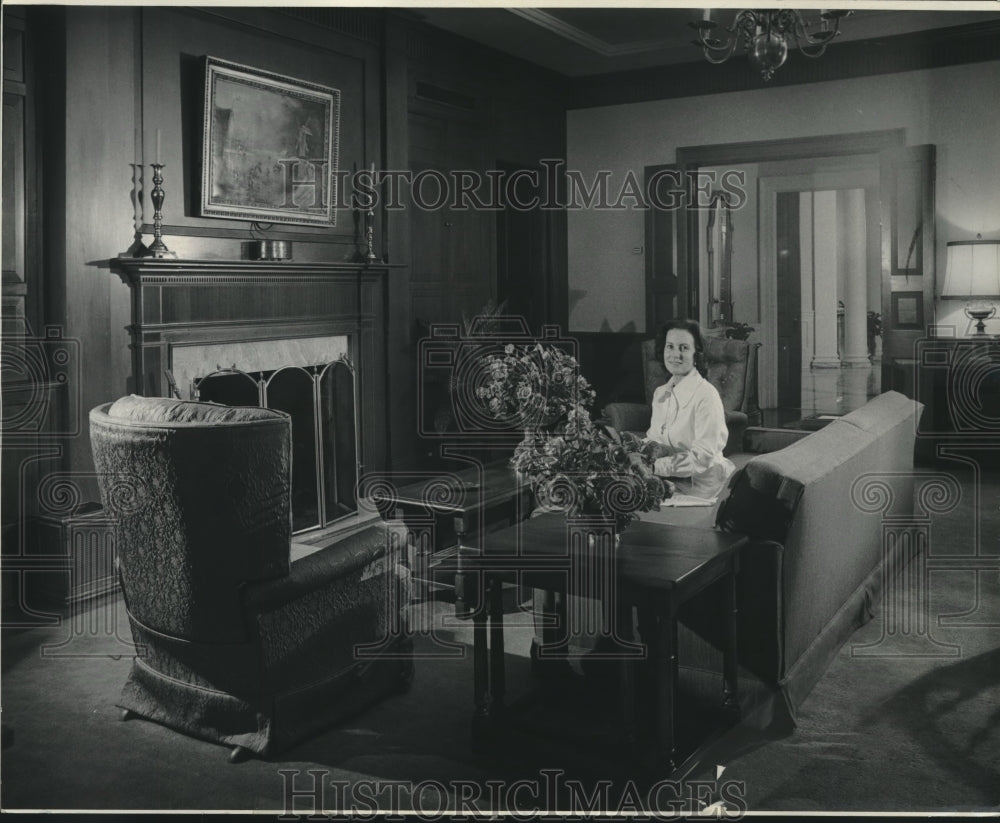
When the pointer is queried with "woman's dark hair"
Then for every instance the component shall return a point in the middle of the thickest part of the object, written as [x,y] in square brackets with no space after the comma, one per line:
[690,326]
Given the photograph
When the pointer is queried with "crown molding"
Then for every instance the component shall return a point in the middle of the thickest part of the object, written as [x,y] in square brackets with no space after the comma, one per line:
[937,48]
[431,47]
[582,38]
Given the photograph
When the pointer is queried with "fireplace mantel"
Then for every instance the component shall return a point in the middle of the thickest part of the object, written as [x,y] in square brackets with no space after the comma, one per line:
[148,268]
[178,303]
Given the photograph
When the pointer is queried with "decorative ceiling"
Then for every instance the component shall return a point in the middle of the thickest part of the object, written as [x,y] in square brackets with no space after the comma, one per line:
[577,42]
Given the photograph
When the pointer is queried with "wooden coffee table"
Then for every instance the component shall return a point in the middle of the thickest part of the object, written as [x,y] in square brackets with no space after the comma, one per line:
[656,568]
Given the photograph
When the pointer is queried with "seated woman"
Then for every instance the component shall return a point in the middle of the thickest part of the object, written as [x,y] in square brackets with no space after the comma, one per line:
[688,420]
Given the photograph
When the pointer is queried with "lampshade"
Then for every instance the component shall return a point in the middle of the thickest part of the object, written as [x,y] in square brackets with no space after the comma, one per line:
[973,269]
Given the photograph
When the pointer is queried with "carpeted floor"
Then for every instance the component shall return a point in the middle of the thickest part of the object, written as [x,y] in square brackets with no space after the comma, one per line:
[882,731]
[891,733]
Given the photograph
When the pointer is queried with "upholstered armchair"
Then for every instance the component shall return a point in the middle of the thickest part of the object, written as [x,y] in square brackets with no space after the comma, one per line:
[237,642]
[732,369]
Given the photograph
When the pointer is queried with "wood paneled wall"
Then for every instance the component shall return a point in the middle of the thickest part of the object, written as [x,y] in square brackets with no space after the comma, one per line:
[457,105]
[114,76]
[174,42]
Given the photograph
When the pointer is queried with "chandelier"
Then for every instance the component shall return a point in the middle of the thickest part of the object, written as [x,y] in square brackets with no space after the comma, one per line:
[765,35]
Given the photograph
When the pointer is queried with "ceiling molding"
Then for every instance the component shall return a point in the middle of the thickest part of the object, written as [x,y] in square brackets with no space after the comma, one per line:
[937,48]
[587,40]
[436,48]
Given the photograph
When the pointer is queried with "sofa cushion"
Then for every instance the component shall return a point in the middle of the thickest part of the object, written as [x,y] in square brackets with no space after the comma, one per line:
[169,410]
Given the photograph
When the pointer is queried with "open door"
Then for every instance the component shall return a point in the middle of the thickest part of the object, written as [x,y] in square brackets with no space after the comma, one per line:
[906,177]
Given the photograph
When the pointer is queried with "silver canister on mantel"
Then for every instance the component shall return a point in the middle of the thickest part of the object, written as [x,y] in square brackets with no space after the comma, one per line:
[270,249]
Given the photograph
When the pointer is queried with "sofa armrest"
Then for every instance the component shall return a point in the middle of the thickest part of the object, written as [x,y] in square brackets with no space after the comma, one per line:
[364,551]
[338,610]
[757,507]
[628,416]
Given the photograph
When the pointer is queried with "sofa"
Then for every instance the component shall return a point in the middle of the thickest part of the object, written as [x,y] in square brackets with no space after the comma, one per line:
[238,641]
[812,572]
[731,367]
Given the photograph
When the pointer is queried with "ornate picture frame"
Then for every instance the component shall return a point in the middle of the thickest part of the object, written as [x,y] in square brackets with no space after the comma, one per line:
[270,147]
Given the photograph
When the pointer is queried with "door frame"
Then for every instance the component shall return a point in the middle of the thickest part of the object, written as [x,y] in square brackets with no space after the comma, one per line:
[767,254]
[899,342]
[689,159]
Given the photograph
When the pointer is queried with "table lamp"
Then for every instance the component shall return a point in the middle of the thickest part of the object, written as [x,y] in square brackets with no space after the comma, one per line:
[973,274]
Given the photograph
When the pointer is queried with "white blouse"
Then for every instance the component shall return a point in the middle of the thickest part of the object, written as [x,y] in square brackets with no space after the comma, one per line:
[688,419]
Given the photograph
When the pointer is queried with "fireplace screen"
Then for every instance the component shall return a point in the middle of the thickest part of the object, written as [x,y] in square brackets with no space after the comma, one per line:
[321,402]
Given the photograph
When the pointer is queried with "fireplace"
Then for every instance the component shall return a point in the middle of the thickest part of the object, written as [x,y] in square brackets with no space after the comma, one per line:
[304,338]
[320,400]
[312,379]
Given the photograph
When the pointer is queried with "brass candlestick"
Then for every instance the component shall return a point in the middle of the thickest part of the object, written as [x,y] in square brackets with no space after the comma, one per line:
[370,235]
[158,248]
[138,248]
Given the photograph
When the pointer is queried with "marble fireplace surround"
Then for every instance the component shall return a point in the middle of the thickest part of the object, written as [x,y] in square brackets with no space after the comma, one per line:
[192,362]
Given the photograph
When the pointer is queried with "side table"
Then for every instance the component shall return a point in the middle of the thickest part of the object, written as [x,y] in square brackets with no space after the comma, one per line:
[657,568]
[483,499]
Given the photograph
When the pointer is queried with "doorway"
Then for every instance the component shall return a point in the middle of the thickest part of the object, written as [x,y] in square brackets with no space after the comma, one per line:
[803,250]
[820,270]
[904,177]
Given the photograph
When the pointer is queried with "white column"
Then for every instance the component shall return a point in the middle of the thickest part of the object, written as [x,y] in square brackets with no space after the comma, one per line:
[873,242]
[852,258]
[806,266]
[825,279]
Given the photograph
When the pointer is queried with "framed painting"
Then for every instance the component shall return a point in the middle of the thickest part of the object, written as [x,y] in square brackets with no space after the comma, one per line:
[908,310]
[270,147]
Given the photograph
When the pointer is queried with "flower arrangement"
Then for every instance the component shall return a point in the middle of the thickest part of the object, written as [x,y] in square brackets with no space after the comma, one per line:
[533,386]
[573,463]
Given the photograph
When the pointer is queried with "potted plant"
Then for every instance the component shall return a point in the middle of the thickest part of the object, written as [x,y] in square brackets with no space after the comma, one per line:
[874,331]
[739,331]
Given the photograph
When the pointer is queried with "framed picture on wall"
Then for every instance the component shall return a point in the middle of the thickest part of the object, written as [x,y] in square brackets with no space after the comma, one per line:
[908,310]
[270,147]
